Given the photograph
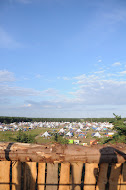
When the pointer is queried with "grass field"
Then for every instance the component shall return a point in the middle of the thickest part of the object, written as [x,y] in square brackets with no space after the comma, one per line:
[9,136]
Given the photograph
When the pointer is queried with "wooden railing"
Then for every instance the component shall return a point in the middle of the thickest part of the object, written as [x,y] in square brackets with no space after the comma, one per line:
[62,167]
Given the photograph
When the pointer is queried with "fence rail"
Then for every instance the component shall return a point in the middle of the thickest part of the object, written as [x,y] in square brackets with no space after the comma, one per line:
[50,153]
[62,167]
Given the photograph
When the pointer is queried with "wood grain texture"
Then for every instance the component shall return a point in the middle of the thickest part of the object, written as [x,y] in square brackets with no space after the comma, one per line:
[29,175]
[102,177]
[122,178]
[50,153]
[64,176]
[16,176]
[76,175]
[5,175]
[41,176]
[52,176]
[114,176]
[91,171]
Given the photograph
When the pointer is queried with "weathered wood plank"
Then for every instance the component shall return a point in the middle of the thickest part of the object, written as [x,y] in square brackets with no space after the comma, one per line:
[91,171]
[41,176]
[64,176]
[29,175]
[102,177]
[52,176]
[49,153]
[76,175]
[114,176]
[122,179]
[16,176]
[5,175]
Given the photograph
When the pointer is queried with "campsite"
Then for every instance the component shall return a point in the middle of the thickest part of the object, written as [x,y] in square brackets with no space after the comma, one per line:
[82,133]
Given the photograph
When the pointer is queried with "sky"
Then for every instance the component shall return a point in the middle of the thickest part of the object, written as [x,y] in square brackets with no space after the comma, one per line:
[62,58]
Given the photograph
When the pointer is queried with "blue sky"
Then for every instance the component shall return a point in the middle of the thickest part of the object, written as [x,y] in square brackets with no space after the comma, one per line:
[62,58]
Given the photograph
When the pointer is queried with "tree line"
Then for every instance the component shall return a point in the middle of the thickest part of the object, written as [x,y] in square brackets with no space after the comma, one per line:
[8,120]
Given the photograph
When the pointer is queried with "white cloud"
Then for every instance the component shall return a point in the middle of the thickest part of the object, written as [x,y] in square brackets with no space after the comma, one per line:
[6,90]
[98,72]
[66,78]
[6,41]
[95,90]
[50,91]
[38,76]
[99,61]
[6,76]
[117,15]
[123,73]
[26,105]
[116,64]
[80,77]
[58,78]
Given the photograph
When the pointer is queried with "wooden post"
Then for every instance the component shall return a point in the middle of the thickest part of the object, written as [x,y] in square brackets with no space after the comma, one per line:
[16,175]
[114,176]
[91,171]
[5,175]
[52,176]
[64,176]
[41,176]
[102,177]
[29,175]
[122,179]
[76,175]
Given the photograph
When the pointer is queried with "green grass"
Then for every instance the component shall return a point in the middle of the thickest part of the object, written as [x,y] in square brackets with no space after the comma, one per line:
[9,136]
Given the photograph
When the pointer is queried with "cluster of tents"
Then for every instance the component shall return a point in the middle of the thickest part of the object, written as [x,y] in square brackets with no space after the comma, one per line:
[62,132]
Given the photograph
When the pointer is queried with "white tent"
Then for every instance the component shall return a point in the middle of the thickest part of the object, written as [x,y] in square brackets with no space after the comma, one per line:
[87,128]
[98,129]
[97,135]
[5,128]
[61,130]
[78,131]
[69,134]
[81,127]
[46,134]
[70,127]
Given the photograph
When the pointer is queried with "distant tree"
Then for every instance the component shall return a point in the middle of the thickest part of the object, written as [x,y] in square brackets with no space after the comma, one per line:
[120,128]
[59,139]
[24,138]
[117,117]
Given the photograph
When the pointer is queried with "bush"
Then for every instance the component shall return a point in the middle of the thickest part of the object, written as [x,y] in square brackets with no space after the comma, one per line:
[24,138]
[60,139]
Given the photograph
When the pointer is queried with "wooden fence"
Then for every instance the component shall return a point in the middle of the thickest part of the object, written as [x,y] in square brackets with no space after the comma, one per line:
[50,167]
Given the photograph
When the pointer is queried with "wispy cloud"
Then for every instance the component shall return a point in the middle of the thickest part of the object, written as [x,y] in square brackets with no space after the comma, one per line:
[6,76]
[26,105]
[98,72]
[66,78]
[99,61]
[12,91]
[123,73]
[115,16]
[38,76]
[80,77]
[116,64]
[6,41]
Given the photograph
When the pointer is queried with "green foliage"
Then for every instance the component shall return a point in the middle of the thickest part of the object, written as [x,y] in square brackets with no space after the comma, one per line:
[120,128]
[59,139]
[23,137]
[7,120]
[117,117]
